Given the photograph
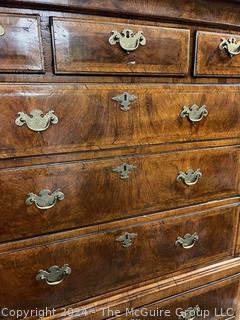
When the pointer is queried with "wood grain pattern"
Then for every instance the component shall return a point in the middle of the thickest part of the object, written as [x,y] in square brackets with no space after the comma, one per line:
[94,193]
[210,60]
[93,136]
[109,153]
[49,75]
[220,301]
[82,46]
[89,119]
[104,227]
[212,12]
[151,291]
[20,46]
[153,253]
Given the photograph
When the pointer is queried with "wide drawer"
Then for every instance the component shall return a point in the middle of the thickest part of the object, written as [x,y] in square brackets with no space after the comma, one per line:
[111,116]
[218,301]
[115,256]
[105,190]
[20,44]
[87,46]
[217,54]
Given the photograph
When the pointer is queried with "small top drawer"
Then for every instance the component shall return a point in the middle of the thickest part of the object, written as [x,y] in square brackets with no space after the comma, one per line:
[83,46]
[217,54]
[20,44]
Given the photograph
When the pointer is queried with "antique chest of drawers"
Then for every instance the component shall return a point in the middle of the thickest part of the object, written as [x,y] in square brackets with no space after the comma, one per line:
[119,159]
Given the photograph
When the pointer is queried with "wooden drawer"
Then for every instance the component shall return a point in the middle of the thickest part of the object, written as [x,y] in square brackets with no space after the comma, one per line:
[20,45]
[152,252]
[90,119]
[82,46]
[95,192]
[211,60]
[218,301]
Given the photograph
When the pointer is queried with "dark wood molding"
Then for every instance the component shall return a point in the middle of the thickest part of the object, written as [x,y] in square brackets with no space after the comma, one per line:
[205,11]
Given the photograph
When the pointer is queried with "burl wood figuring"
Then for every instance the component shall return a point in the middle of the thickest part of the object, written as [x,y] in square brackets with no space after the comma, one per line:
[119,159]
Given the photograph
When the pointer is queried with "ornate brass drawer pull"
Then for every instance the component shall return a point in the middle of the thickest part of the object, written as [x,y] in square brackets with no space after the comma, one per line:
[190,177]
[125,100]
[189,314]
[46,199]
[195,113]
[230,46]
[126,239]
[128,40]
[124,170]
[54,275]
[188,241]
[37,121]
[2,30]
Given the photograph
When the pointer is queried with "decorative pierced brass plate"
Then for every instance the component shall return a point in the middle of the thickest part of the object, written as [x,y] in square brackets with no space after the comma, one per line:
[188,241]
[126,239]
[125,100]
[36,121]
[128,40]
[189,314]
[46,199]
[231,46]
[195,113]
[124,170]
[190,177]
[54,275]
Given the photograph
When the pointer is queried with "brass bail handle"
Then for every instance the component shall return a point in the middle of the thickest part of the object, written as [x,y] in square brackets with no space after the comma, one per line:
[190,177]
[231,46]
[45,199]
[194,113]
[36,121]
[188,241]
[54,275]
[190,313]
[127,39]
[2,30]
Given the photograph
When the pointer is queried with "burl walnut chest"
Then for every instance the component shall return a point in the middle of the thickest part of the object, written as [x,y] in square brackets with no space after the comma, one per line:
[119,159]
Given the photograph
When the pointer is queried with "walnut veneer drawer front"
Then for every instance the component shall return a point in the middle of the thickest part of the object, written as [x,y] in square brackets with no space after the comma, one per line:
[110,116]
[217,301]
[20,44]
[104,190]
[85,46]
[217,54]
[137,252]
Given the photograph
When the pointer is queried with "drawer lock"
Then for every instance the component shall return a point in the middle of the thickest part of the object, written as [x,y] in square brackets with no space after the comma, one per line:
[124,170]
[127,239]
[125,100]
